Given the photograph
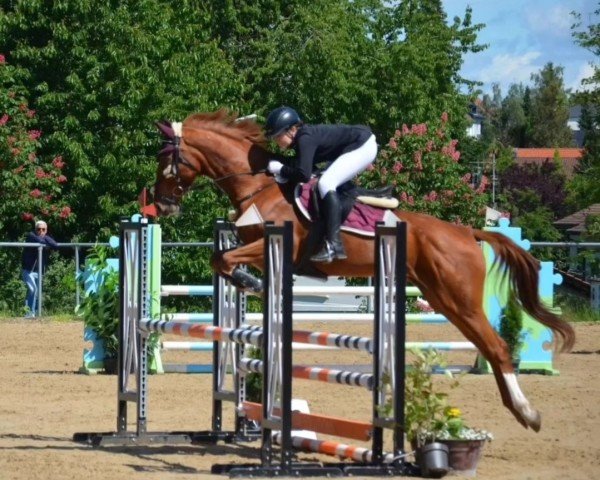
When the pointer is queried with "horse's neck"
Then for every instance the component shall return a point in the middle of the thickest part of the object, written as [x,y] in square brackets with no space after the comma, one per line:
[230,162]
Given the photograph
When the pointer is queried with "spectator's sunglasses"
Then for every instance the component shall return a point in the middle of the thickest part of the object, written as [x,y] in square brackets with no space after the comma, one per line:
[41,229]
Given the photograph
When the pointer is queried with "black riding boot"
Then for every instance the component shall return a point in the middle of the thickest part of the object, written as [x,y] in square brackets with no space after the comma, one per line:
[333,248]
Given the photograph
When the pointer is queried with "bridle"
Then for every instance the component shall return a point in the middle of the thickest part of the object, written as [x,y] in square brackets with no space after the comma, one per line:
[172,147]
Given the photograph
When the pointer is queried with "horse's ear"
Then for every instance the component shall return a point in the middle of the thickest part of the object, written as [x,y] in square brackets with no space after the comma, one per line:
[165,129]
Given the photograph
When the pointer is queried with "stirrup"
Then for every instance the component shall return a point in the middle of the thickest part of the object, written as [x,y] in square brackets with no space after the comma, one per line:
[325,255]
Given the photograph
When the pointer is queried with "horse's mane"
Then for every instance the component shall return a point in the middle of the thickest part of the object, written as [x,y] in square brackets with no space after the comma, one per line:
[228,123]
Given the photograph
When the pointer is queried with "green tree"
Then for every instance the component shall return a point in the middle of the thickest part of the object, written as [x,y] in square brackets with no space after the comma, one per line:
[513,118]
[583,189]
[550,109]
[418,61]
[103,73]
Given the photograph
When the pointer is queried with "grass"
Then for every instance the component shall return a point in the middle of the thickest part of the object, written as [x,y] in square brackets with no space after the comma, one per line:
[580,313]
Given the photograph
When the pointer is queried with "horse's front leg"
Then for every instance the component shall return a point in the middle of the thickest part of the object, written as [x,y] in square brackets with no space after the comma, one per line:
[226,263]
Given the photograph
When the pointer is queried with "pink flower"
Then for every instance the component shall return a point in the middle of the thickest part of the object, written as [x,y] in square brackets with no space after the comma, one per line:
[39,173]
[432,197]
[419,129]
[429,146]
[484,183]
[58,162]
[2,58]
[61,179]
[405,129]
[397,168]
[456,156]
[417,157]
[35,193]
[371,167]
[34,134]
[30,113]
[466,178]
[65,212]
[26,216]
[393,145]
[4,119]
[403,197]
[411,200]
[48,198]
[19,169]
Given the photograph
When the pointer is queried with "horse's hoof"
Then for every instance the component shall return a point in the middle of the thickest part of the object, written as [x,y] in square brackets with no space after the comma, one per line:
[245,281]
[534,420]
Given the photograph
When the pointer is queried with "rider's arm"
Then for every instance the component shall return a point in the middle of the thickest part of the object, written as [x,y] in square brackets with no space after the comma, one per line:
[302,171]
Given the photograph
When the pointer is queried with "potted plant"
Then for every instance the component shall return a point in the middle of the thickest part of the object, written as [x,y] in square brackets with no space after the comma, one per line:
[511,329]
[100,306]
[430,419]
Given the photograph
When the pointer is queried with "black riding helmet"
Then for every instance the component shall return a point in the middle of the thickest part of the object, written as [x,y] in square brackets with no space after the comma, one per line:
[280,120]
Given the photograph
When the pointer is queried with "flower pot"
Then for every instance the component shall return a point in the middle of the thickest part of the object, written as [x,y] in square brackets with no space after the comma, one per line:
[111,365]
[464,455]
[432,458]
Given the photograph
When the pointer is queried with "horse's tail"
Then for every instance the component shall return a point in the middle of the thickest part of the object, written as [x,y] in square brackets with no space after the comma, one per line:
[524,277]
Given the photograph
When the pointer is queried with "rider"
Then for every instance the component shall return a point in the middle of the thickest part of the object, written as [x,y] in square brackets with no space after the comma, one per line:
[349,149]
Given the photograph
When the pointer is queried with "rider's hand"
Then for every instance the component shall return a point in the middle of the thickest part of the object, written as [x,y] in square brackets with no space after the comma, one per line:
[274,167]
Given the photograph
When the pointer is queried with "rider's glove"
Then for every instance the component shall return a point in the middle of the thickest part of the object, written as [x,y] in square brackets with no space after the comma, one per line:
[274,167]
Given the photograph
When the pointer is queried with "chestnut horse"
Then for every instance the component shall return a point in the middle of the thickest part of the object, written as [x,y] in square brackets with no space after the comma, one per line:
[444,260]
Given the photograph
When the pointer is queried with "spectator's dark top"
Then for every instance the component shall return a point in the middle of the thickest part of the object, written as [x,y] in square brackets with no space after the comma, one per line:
[30,254]
[322,143]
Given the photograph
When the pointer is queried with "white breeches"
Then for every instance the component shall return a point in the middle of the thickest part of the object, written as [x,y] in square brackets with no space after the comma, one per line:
[347,166]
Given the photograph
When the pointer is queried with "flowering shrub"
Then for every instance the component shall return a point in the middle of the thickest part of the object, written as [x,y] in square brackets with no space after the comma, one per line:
[423,165]
[30,187]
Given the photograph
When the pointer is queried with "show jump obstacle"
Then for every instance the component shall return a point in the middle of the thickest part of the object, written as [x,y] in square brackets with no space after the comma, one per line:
[230,336]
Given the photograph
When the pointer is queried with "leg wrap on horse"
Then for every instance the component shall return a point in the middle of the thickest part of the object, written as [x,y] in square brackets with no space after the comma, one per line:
[246,281]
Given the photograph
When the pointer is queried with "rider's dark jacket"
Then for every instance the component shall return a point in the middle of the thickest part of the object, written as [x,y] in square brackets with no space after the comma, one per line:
[315,144]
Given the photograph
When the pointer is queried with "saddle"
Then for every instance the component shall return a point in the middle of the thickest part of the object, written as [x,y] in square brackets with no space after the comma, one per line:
[362,209]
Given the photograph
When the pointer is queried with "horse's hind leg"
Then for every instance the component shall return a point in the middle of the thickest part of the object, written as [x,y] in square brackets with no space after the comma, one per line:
[475,326]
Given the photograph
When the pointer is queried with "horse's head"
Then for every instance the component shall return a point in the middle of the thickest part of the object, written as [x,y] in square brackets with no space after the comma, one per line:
[176,172]
[219,145]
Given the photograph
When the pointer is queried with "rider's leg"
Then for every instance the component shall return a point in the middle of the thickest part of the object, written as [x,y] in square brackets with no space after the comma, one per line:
[341,170]
[333,248]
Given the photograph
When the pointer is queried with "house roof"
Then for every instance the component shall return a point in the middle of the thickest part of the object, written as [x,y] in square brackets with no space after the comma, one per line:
[569,156]
[575,223]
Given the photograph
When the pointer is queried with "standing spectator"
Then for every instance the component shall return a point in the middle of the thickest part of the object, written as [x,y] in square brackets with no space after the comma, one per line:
[30,264]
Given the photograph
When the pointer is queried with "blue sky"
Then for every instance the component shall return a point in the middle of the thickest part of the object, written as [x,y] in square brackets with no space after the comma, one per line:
[523,36]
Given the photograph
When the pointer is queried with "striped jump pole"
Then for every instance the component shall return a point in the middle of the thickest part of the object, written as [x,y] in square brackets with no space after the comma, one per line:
[252,334]
[420,318]
[329,375]
[335,449]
